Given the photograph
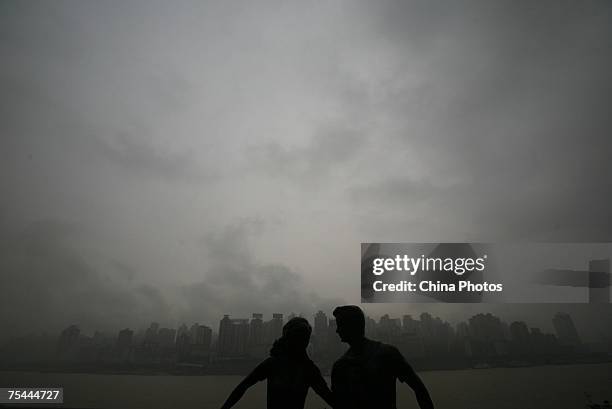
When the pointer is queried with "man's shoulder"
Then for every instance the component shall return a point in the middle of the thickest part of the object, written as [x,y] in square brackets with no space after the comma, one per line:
[388,348]
[370,348]
[371,343]
[380,348]
[344,357]
[385,354]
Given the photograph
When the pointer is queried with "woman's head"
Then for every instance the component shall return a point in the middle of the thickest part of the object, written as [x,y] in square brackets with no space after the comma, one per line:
[297,332]
[295,339]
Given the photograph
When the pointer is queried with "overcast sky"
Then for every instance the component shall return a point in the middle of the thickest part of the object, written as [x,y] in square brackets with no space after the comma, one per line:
[174,161]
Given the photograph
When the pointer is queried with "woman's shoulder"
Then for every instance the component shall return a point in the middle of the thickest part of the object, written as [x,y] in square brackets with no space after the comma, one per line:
[278,362]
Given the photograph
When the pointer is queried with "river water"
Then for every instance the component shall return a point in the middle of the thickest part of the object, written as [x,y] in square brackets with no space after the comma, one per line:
[513,388]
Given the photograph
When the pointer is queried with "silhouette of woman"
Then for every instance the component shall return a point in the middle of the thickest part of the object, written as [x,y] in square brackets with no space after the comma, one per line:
[289,371]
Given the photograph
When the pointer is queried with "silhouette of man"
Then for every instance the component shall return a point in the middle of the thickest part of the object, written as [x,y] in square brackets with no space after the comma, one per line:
[365,376]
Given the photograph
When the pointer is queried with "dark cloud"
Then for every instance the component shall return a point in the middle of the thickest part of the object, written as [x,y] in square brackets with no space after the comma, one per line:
[507,129]
[329,149]
[139,156]
[396,121]
[50,280]
[523,209]
[238,283]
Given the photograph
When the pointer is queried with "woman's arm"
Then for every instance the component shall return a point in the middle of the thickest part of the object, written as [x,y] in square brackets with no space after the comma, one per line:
[319,385]
[259,374]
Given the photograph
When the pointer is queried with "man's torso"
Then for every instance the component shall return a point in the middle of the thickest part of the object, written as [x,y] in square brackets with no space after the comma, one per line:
[365,377]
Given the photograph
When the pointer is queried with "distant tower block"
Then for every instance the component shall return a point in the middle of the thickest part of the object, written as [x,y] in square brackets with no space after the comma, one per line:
[599,281]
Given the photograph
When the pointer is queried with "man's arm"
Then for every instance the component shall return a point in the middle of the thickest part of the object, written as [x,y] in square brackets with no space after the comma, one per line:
[420,391]
[258,374]
[406,374]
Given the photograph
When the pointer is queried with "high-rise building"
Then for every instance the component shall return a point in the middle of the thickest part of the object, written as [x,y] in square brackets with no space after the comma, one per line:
[388,328]
[486,327]
[273,329]
[426,325]
[225,336]
[233,337]
[257,346]
[182,330]
[409,324]
[519,332]
[193,333]
[487,336]
[370,327]
[519,338]
[565,329]
[198,349]
[256,330]
[463,330]
[166,337]
[100,339]
[151,333]
[124,339]
[203,336]
[332,336]
[320,324]
[69,338]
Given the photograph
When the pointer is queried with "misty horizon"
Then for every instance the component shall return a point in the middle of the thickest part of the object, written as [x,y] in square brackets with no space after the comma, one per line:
[589,336]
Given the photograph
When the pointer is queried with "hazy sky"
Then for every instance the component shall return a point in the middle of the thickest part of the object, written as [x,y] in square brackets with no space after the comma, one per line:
[176,161]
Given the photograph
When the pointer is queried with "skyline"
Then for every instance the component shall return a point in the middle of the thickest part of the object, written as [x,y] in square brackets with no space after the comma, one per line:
[429,343]
[142,330]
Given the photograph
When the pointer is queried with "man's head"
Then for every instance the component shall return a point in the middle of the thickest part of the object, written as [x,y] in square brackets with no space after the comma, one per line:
[350,323]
